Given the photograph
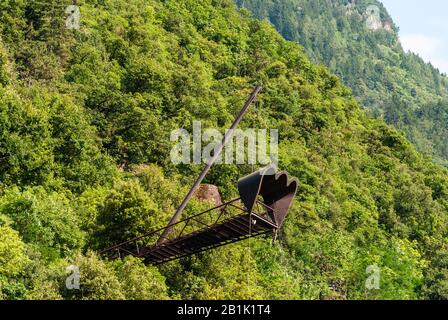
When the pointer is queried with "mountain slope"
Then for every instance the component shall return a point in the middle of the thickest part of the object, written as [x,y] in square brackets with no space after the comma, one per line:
[363,49]
[85,122]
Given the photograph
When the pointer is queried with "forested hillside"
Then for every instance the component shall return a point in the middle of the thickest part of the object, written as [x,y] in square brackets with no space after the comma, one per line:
[85,122]
[366,53]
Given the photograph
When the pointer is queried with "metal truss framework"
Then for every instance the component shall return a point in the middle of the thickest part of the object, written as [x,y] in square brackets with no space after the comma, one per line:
[216,227]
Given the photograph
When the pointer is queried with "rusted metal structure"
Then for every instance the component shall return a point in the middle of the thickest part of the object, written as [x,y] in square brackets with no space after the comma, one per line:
[204,172]
[265,198]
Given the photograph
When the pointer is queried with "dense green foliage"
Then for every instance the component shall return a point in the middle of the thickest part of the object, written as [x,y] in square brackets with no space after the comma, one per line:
[395,85]
[85,121]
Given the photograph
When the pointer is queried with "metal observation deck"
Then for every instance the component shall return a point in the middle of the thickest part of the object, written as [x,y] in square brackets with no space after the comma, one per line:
[265,198]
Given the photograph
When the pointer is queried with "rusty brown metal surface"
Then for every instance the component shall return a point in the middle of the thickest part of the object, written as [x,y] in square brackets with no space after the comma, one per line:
[230,222]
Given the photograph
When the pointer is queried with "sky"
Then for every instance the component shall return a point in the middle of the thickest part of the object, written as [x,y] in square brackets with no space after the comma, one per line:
[423,28]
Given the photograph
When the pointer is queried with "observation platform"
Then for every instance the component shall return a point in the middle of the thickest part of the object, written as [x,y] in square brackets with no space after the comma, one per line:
[265,198]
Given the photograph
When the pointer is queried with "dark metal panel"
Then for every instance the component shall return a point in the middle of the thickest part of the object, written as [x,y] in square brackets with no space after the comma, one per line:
[276,189]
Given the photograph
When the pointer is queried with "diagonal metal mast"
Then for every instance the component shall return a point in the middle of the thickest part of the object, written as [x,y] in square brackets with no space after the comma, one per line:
[204,172]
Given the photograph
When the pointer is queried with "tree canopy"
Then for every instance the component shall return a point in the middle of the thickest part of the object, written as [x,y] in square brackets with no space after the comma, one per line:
[394,85]
[85,122]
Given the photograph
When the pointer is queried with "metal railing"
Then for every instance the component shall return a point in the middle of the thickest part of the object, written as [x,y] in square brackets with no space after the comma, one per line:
[187,227]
